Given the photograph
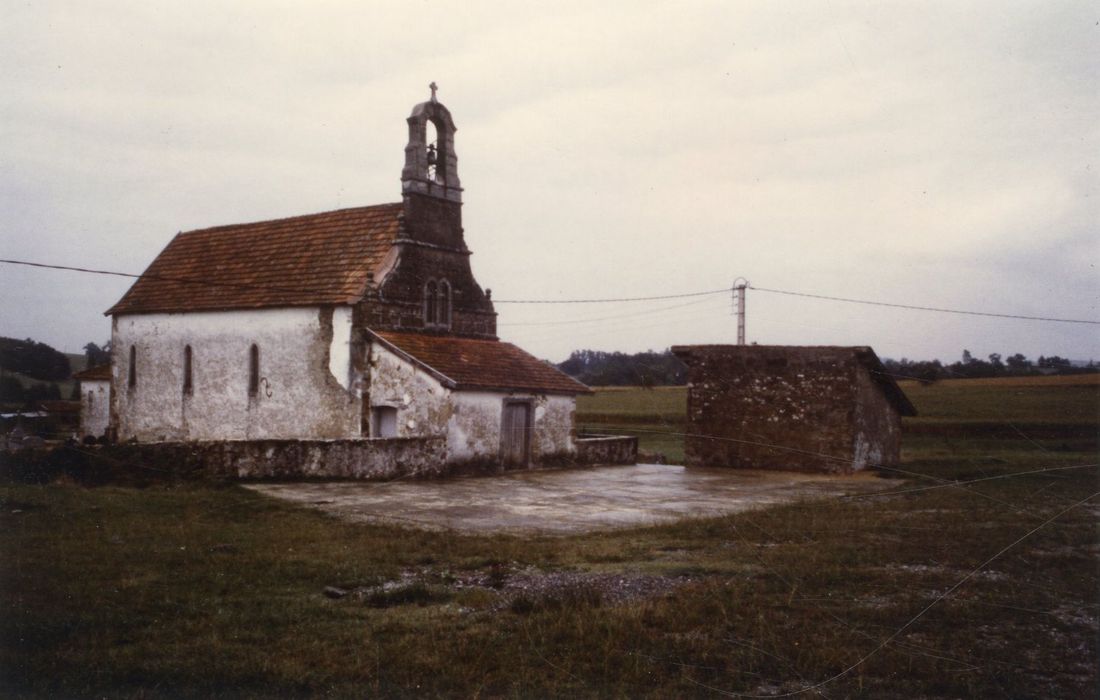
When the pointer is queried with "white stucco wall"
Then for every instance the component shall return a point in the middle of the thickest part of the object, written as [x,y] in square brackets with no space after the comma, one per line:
[304,368]
[95,406]
[475,424]
[470,420]
[423,404]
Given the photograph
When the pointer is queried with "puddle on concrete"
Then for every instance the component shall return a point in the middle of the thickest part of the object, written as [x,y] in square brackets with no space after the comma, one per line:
[567,501]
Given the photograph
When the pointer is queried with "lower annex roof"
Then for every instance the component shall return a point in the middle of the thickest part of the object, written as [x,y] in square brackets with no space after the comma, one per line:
[475,363]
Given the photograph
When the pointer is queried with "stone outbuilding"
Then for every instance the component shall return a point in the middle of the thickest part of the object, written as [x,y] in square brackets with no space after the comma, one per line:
[95,400]
[818,409]
[354,342]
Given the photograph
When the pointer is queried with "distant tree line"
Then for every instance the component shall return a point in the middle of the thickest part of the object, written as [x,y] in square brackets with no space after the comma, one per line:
[598,368]
[33,359]
[996,365]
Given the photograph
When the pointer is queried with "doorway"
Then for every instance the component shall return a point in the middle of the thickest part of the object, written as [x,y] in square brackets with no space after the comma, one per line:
[383,422]
[515,434]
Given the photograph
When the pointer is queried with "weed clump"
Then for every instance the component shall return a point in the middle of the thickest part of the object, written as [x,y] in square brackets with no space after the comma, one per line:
[408,594]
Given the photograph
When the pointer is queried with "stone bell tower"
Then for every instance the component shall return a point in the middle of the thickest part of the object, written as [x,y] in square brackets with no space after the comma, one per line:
[431,168]
[430,187]
[430,287]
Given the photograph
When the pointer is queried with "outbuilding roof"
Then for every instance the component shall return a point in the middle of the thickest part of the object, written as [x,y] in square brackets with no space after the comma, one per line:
[97,373]
[474,363]
[306,260]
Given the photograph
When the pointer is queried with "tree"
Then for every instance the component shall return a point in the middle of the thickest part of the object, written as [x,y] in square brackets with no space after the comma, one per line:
[971,367]
[996,364]
[95,355]
[1018,364]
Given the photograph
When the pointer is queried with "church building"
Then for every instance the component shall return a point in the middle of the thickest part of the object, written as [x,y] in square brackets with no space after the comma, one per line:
[361,325]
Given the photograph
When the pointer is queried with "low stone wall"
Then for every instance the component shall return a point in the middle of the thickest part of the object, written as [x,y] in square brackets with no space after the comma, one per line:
[361,459]
[380,458]
[606,449]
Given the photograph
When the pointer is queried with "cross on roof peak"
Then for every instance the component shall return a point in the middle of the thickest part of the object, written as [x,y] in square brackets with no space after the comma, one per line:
[434,87]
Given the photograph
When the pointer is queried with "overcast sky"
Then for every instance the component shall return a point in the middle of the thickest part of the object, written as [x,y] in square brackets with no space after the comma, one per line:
[937,154]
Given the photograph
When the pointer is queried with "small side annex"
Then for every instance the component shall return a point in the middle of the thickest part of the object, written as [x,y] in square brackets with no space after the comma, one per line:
[813,409]
[495,403]
[95,400]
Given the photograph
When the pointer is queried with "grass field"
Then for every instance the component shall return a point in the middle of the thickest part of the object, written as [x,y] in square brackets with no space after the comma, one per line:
[940,589]
[1059,405]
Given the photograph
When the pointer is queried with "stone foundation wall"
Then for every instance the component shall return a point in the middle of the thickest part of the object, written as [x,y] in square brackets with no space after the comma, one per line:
[367,459]
[360,459]
[606,449]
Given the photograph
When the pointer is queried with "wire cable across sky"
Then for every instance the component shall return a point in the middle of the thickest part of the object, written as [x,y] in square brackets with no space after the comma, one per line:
[604,300]
[922,308]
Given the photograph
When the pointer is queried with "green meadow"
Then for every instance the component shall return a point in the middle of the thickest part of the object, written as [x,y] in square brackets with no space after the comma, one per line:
[975,577]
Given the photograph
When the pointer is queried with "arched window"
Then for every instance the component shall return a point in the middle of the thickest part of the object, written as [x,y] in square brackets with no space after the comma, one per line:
[188,386]
[430,302]
[444,304]
[437,168]
[131,372]
[253,370]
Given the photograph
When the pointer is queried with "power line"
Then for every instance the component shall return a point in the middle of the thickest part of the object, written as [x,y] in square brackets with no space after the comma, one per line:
[922,308]
[243,285]
[610,300]
[612,317]
[163,278]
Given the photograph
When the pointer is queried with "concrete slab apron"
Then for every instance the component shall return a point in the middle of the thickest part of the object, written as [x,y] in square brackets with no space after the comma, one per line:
[566,501]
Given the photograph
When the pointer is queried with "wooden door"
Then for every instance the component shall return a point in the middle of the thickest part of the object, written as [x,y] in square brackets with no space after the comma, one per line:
[515,434]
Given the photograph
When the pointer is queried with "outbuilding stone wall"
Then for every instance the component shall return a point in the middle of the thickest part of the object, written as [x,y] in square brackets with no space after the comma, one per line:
[780,407]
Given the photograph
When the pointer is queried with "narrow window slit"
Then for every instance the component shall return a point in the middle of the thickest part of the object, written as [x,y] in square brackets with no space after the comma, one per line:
[253,370]
[188,385]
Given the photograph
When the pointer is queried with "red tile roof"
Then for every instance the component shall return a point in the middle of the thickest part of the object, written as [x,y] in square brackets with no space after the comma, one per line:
[473,363]
[301,261]
[99,372]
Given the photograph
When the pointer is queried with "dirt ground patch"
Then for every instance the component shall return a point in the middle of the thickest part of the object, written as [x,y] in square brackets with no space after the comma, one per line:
[568,501]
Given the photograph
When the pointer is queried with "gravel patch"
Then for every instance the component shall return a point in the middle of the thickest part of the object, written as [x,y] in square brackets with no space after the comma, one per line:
[511,582]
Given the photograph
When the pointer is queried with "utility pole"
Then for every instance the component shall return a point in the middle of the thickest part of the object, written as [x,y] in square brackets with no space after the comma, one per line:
[739,286]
